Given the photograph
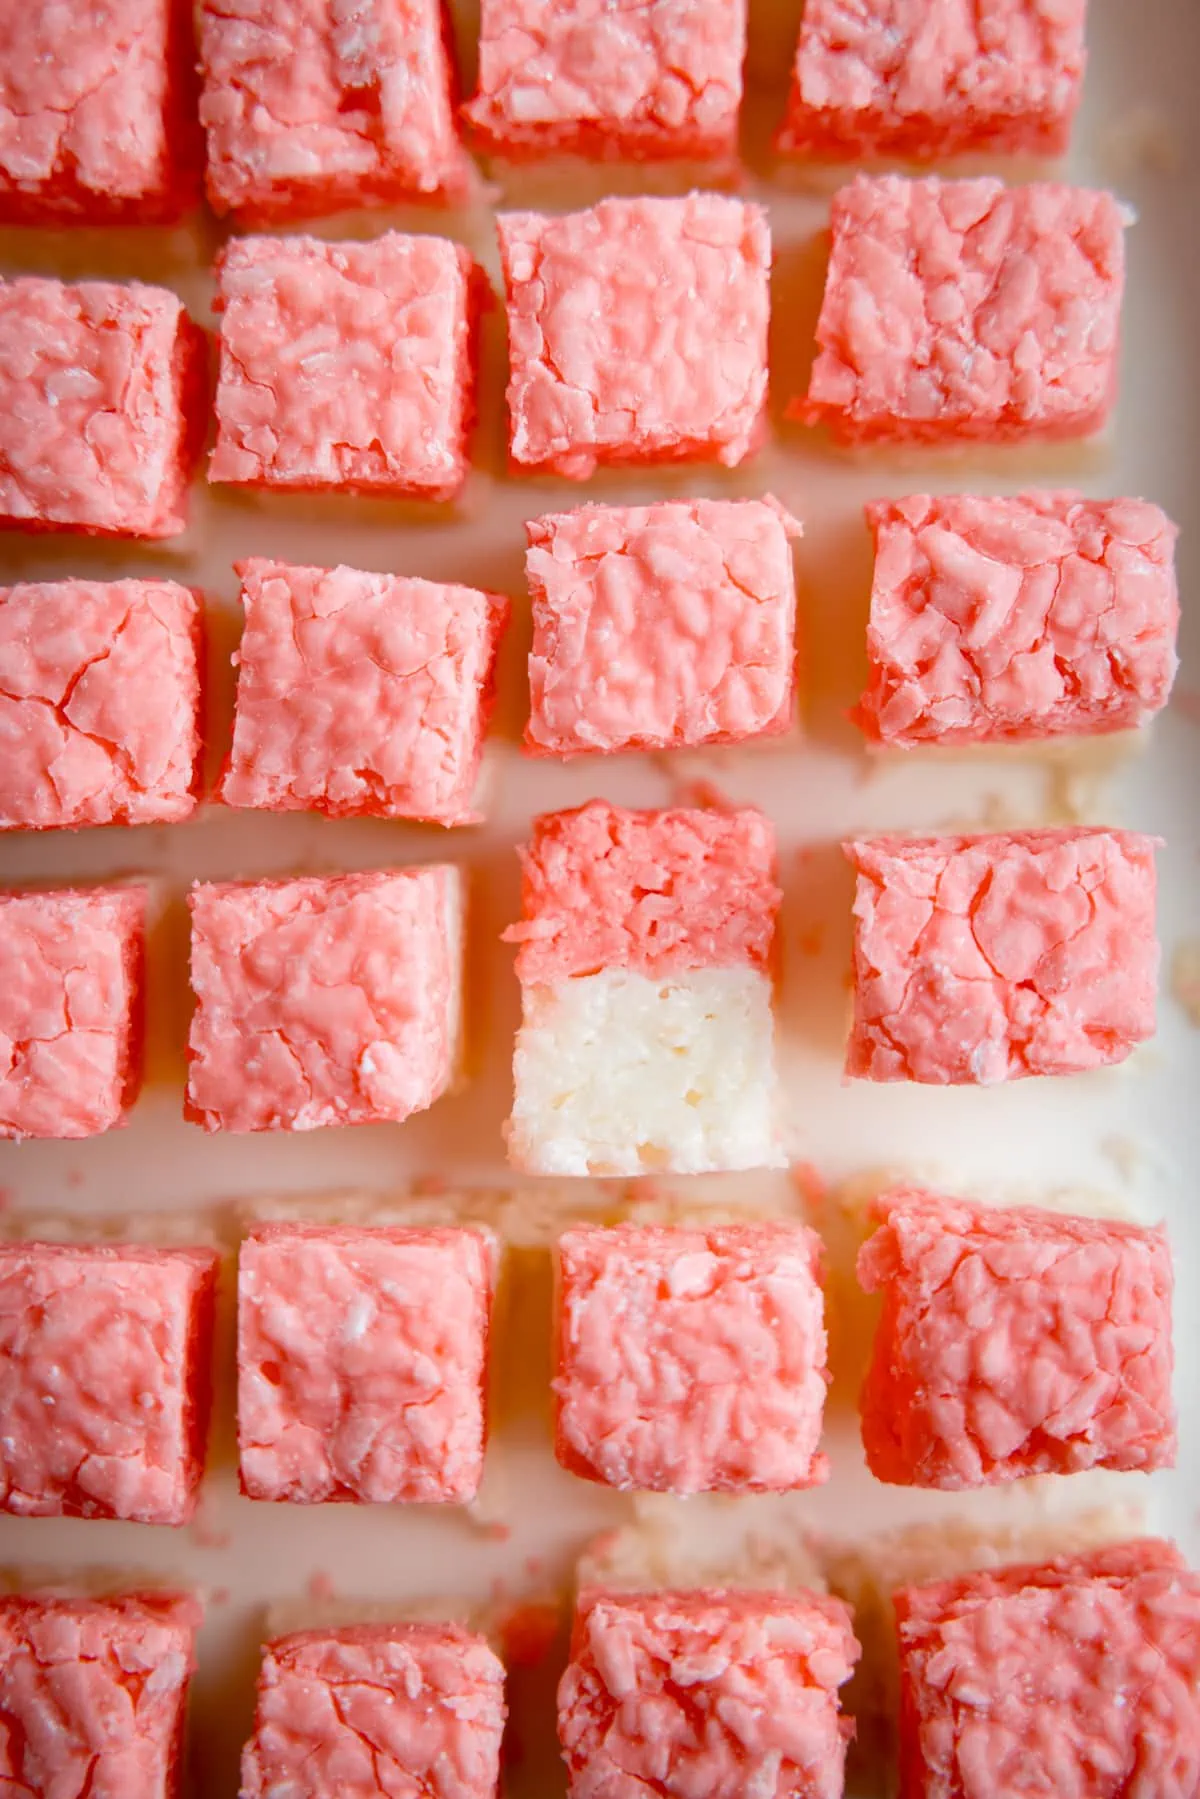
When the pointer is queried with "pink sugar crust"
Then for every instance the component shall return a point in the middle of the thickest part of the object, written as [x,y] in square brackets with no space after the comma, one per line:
[1014,1343]
[1007,620]
[99,703]
[933,78]
[1077,1677]
[97,385]
[655,80]
[691,1361]
[323,1000]
[310,106]
[94,114]
[714,1692]
[361,1363]
[981,959]
[968,310]
[637,332]
[92,1695]
[361,695]
[700,597]
[657,892]
[345,367]
[104,1379]
[70,1009]
[373,1709]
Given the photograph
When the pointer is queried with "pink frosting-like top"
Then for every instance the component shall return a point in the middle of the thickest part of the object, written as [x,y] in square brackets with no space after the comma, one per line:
[656,892]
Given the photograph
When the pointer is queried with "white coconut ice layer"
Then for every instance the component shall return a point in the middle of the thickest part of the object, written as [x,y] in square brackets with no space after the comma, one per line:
[619,1073]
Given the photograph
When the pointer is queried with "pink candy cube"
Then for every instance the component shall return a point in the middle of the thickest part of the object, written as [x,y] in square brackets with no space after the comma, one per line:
[310,106]
[377,1709]
[99,386]
[659,626]
[345,368]
[968,310]
[932,78]
[94,125]
[637,332]
[93,1694]
[720,1693]
[981,959]
[661,79]
[1077,1677]
[131,1324]
[324,1000]
[1008,620]
[1013,1343]
[691,1360]
[361,695]
[99,703]
[361,1363]
[70,1009]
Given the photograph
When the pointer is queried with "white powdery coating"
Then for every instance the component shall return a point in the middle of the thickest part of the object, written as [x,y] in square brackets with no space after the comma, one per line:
[619,1073]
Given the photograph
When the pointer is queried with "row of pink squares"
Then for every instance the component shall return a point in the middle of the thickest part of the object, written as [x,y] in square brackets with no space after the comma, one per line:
[647,963]
[305,111]
[638,333]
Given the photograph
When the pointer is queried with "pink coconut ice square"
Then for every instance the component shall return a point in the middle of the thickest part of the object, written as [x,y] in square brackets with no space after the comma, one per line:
[658,80]
[93,1695]
[982,959]
[660,626]
[310,106]
[94,125]
[933,78]
[362,1356]
[127,1322]
[1078,1676]
[345,367]
[324,1000]
[99,384]
[99,703]
[361,694]
[1014,1343]
[1016,619]
[637,332]
[70,1009]
[720,1693]
[374,1709]
[968,310]
[691,1360]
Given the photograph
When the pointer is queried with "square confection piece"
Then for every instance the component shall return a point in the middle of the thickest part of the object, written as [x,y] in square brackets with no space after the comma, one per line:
[1009,620]
[105,1379]
[345,368]
[310,106]
[700,599]
[362,1356]
[94,125]
[719,1692]
[1078,1676]
[647,1030]
[967,310]
[98,391]
[380,1708]
[981,959]
[691,1360]
[1013,1343]
[93,1694]
[657,80]
[361,694]
[932,78]
[324,1000]
[637,332]
[99,703]
[71,963]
